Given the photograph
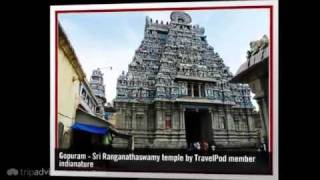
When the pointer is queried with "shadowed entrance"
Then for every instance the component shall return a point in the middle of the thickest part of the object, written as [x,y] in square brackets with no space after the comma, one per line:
[198,126]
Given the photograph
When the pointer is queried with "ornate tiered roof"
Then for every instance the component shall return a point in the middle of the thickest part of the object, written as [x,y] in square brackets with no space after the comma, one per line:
[173,55]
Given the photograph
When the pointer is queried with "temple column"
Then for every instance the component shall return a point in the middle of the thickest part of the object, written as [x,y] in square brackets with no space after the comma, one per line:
[192,90]
[125,122]
[251,123]
[215,119]
[158,121]
[264,118]
[211,117]
[229,120]
[134,120]
[175,119]
[182,118]
[212,122]
[260,88]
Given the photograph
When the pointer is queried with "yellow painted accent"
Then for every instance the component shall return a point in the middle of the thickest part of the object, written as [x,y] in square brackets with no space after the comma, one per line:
[68,91]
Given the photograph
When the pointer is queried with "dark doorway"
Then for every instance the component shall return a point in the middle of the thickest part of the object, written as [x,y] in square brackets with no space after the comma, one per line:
[84,141]
[87,142]
[198,126]
[81,141]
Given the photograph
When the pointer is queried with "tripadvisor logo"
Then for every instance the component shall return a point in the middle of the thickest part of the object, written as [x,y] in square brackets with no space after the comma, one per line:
[27,172]
[12,172]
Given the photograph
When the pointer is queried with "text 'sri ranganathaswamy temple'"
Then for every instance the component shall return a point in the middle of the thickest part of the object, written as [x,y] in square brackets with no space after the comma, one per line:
[177,92]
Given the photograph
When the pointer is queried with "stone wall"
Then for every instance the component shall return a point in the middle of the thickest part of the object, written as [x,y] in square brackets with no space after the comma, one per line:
[231,128]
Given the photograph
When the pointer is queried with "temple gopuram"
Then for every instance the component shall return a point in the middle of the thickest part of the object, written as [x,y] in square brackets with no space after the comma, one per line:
[177,92]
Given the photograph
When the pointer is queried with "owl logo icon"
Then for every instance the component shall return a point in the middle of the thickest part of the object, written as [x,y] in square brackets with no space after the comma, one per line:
[12,172]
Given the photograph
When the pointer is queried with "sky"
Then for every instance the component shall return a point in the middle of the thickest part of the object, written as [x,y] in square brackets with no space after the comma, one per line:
[101,40]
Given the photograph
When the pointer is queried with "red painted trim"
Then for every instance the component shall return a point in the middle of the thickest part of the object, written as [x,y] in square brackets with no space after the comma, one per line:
[161,9]
[270,81]
[56,82]
[270,7]
[270,103]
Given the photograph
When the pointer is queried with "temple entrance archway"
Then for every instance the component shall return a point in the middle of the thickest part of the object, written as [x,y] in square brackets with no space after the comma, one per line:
[198,126]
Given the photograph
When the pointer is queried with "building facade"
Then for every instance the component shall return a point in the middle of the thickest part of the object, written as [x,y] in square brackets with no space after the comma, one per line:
[69,80]
[177,92]
[78,105]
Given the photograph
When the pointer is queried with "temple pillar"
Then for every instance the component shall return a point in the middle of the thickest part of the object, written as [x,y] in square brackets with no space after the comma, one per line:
[192,91]
[221,120]
[175,119]
[213,115]
[251,123]
[229,119]
[182,118]
[134,120]
[260,88]
[158,122]
[213,121]
[263,112]
[199,90]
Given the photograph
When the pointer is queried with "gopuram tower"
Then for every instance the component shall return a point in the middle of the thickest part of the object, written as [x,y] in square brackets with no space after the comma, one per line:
[176,92]
[96,83]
